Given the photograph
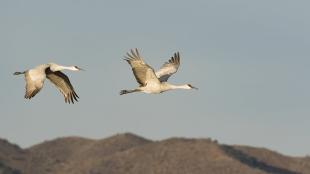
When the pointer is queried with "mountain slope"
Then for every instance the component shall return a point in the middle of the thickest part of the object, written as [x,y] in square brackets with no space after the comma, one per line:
[128,153]
[11,157]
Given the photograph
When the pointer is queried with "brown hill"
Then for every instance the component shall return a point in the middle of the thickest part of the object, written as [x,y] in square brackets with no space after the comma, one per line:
[12,157]
[128,153]
[7,170]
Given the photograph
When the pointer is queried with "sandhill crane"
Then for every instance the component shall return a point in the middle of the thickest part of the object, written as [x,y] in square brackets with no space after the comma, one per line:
[152,82]
[35,79]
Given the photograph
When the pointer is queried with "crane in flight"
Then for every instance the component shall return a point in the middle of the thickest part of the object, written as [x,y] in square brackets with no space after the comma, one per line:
[152,82]
[35,78]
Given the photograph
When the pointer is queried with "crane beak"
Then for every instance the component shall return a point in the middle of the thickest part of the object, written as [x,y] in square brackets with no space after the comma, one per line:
[193,87]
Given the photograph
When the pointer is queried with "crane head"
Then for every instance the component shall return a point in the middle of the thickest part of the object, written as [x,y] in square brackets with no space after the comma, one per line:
[78,68]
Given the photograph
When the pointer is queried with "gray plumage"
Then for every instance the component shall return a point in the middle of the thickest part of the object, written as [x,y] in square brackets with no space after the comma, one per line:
[143,72]
[169,68]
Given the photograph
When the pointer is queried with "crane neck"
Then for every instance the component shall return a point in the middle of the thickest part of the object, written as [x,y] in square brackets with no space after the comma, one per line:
[55,67]
[72,68]
[181,86]
[171,86]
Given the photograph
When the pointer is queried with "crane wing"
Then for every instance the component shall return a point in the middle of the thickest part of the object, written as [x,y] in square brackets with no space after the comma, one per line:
[142,71]
[33,84]
[62,82]
[169,68]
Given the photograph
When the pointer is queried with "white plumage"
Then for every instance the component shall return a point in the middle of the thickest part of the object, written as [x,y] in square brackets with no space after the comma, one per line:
[35,78]
[151,81]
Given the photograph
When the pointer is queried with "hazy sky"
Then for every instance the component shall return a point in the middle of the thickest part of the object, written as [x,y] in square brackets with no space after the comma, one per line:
[249,59]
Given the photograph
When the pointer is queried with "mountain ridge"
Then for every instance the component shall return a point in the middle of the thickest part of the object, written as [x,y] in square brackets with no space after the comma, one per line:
[130,153]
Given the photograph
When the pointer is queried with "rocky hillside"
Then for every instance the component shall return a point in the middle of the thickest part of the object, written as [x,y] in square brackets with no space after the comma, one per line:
[131,154]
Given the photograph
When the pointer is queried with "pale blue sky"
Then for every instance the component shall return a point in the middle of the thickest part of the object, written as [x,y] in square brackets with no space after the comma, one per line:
[250,60]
